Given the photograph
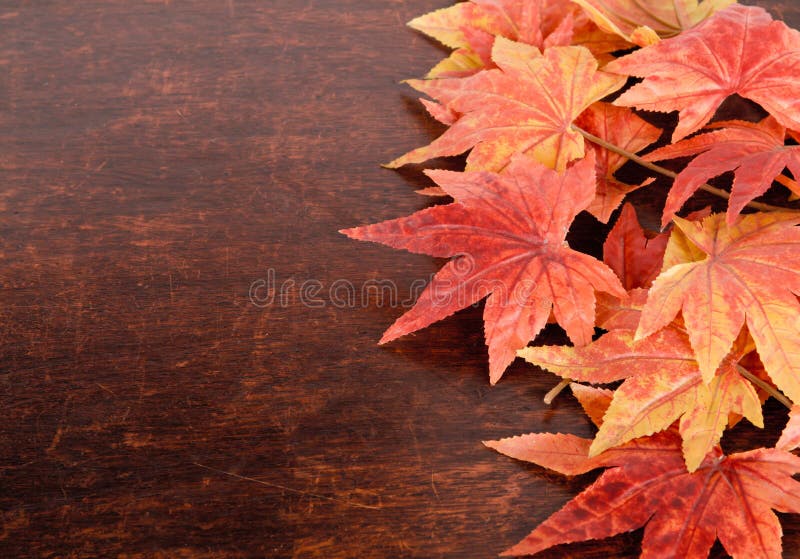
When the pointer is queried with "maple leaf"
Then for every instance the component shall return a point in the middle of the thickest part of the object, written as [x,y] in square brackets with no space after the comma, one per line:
[728,497]
[439,112]
[527,105]
[643,22]
[663,383]
[722,276]
[738,50]
[754,151]
[635,258]
[507,233]
[471,28]
[593,400]
[622,128]
[620,314]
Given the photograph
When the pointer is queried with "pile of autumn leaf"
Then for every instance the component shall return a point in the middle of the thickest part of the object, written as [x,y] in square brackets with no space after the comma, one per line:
[699,323]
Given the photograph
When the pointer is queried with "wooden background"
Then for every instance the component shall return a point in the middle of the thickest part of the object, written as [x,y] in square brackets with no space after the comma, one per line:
[158,161]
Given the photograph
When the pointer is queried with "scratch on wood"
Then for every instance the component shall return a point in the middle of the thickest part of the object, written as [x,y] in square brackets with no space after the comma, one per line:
[433,486]
[106,389]
[291,490]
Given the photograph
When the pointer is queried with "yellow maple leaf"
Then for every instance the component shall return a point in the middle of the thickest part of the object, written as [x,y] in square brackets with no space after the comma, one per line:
[643,22]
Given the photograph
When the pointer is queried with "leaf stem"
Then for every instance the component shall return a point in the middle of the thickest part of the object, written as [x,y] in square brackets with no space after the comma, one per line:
[766,387]
[666,172]
[788,183]
[550,396]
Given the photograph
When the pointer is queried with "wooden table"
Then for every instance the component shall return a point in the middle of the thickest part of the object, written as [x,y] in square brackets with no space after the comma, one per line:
[161,163]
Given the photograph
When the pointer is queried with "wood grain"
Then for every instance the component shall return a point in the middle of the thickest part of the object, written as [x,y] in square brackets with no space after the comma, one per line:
[160,161]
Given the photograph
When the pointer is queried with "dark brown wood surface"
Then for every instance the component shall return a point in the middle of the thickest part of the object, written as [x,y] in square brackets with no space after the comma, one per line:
[161,162]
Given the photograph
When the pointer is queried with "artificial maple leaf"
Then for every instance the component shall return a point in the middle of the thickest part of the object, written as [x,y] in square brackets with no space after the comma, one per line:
[662,384]
[722,276]
[622,128]
[593,400]
[439,112]
[471,28]
[754,151]
[620,314]
[635,258]
[643,22]
[728,497]
[527,105]
[507,232]
[738,50]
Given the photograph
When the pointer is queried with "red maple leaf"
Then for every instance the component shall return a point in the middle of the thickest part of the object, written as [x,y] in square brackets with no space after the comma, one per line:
[634,257]
[622,128]
[727,497]
[507,233]
[738,50]
[754,151]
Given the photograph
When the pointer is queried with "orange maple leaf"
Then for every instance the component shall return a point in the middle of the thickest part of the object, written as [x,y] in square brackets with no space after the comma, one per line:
[754,151]
[622,128]
[738,50]
[722,276]
[728,497]
[507,233]
[527,105]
